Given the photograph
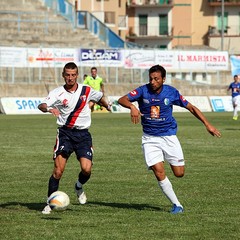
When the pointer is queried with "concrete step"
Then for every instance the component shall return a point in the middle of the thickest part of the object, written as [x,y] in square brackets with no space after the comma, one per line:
[39,25]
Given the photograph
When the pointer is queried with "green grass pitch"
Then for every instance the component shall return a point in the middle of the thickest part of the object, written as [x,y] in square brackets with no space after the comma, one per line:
[124,200]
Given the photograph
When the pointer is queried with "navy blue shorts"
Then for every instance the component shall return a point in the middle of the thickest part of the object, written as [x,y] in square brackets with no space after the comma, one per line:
[73,140]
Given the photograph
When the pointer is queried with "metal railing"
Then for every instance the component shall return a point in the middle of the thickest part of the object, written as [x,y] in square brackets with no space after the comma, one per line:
[86,20]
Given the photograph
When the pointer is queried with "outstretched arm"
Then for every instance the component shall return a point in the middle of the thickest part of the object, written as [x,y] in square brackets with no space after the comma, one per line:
[44,108]
[135,113]
[198,114]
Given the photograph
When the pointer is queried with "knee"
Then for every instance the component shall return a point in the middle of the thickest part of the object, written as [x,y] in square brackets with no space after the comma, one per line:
[58,173]
[86,172]
[86,169]
[179,174]
[178,171]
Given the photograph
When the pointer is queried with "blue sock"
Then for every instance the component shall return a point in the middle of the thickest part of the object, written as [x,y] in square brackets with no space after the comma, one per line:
[52,185]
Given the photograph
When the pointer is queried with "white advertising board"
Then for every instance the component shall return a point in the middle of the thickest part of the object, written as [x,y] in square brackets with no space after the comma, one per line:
[200,102]
[221,103]
[28,105]
[201,60]
[15,105]
[13,57]
[139,59]
[51,57]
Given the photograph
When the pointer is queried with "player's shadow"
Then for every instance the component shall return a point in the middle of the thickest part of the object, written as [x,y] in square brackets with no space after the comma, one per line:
[135,206]
[40,206]
[31,206]
[232,129]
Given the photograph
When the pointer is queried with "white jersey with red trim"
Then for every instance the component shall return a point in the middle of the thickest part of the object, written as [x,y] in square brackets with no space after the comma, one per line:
[73,106]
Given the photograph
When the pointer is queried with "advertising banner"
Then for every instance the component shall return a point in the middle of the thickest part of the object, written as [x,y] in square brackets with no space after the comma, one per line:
[51,57]
[200,102]
[221,103]
[100,57]
[13,57]
[235,65]
[14,105]
[197,60]
[135,59]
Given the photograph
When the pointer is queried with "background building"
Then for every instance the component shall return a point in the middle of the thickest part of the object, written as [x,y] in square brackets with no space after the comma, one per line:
[170,24]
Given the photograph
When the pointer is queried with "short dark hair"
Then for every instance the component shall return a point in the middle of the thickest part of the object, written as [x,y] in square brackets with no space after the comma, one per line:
[235,76]
[70,65]
[93,68]
[158,68]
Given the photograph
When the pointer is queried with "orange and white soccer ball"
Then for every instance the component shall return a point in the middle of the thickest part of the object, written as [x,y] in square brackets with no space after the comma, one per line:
[58,200]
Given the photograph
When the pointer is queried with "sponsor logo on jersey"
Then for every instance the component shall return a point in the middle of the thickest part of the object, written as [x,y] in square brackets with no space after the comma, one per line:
[145,100]
[133,93]
[155,100]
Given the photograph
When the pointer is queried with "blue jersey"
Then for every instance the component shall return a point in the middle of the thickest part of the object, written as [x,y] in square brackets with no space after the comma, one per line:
[157,119]
[234,87]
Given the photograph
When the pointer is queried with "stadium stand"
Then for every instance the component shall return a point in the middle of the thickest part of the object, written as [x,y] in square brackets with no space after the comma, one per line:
[29,23]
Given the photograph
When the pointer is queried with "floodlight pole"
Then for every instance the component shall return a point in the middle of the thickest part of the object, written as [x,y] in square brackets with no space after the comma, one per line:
[222,27]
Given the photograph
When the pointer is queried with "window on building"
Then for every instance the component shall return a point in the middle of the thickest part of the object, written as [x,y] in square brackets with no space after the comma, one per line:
[143,25]
[163,24]
[109,17]
[122,21]
[225,22]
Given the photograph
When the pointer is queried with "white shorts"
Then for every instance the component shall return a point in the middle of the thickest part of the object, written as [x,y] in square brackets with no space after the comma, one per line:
[158,149]
[236,100]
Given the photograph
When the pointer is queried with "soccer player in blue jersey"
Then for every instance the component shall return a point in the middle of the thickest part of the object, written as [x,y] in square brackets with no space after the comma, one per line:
[235,88]
[159,140]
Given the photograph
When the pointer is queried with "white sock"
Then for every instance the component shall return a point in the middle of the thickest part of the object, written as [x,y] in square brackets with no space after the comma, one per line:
[167,189]
[235,111]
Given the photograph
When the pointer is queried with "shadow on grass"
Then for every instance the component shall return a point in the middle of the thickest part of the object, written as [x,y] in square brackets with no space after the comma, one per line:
[31,206]
[40,206]
[127,206]
[232,129]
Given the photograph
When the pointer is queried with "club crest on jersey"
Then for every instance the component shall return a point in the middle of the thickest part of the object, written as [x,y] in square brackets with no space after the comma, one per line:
[166,101]
[133,93]
[183,98]
[83,98]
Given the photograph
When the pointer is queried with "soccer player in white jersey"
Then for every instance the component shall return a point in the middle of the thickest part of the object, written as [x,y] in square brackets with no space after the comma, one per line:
[70,103]
[159,140]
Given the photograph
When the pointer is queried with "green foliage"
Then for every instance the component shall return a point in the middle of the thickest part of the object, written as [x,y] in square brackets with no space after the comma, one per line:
[124,200]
